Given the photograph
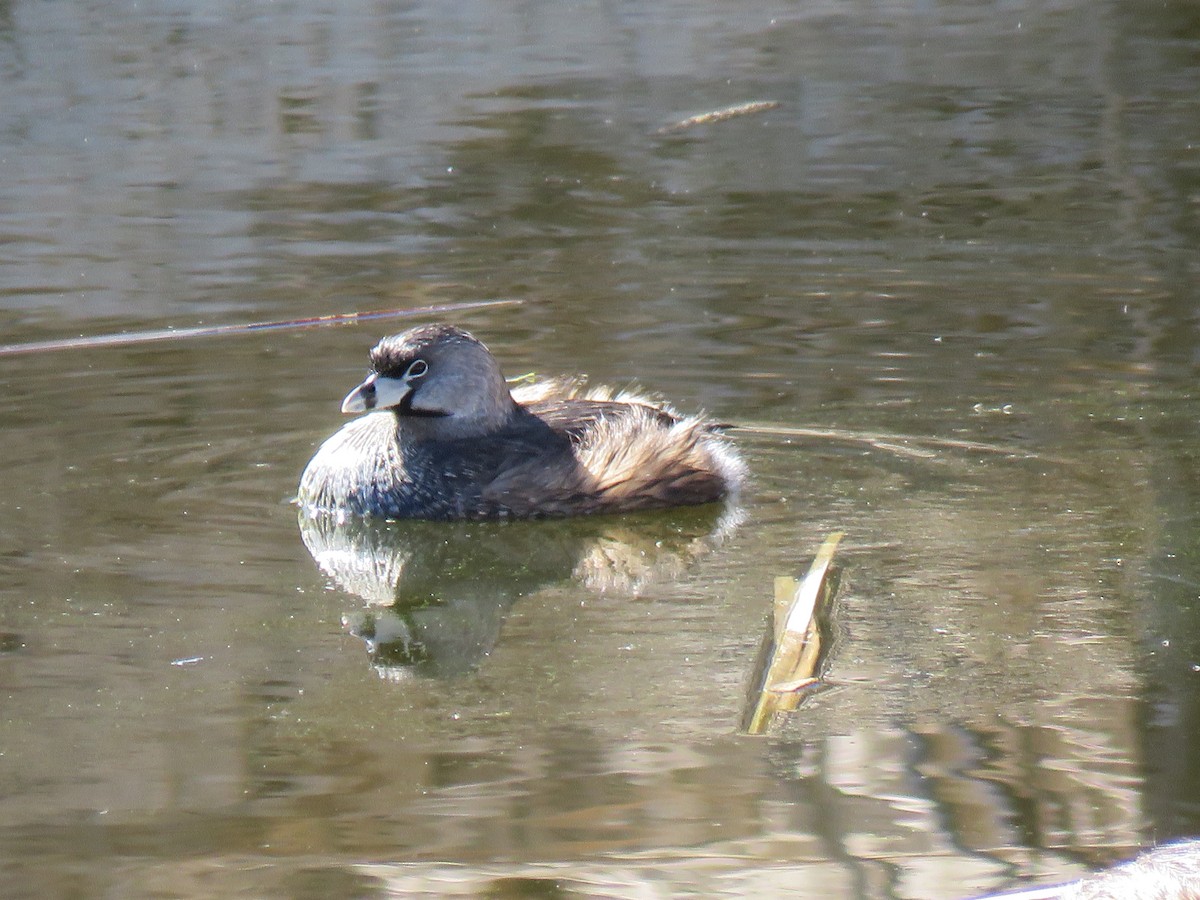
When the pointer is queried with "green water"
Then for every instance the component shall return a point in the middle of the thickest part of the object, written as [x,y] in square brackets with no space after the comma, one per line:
[964,223]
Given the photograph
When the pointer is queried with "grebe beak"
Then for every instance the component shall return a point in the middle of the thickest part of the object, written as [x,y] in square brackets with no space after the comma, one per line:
[377,392]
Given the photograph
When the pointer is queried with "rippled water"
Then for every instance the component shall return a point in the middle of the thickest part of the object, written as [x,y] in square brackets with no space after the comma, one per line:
[962,224]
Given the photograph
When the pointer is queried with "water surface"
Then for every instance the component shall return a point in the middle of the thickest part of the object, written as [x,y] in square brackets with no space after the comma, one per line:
[962,223]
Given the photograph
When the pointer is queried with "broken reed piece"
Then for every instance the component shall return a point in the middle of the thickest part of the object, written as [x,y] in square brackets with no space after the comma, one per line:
[718,115]
[796,640]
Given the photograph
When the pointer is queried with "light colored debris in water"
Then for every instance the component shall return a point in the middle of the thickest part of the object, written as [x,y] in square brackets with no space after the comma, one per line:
[718,115]
[1169,872]
[796,639]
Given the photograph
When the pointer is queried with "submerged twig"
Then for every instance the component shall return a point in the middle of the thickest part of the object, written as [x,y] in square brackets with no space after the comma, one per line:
[175,334]
[921,447]
[718,115]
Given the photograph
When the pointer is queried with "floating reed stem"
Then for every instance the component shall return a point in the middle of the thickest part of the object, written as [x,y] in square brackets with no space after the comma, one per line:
[797,645]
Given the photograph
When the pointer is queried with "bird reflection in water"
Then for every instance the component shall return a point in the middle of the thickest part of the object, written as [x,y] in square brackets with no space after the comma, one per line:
[436,594]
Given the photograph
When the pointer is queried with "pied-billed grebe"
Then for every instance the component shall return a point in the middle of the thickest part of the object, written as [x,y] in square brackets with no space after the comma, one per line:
[448,440]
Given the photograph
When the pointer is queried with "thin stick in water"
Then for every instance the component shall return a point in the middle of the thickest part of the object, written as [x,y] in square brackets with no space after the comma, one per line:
[718,115]
[125,339]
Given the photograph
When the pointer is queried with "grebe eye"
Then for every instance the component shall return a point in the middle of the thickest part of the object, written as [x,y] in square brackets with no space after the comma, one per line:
[417,369]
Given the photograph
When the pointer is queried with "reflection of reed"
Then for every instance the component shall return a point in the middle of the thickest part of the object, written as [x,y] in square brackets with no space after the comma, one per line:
[1071,784]
[440,591]
[874,811]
